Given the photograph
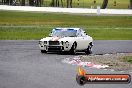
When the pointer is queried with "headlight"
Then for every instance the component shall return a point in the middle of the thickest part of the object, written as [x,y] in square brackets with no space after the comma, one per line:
[40,42]
[67,44]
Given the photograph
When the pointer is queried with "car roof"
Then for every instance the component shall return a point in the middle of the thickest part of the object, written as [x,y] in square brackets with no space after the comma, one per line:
[67,28]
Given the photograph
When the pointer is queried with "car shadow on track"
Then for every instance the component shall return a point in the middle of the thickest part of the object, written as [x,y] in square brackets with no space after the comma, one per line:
[65,53]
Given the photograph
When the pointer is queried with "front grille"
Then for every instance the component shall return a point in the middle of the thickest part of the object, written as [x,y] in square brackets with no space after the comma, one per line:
[54,43]
[54,48]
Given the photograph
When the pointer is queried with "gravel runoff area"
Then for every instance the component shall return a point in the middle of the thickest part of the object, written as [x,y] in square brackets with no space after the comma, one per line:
[114,61]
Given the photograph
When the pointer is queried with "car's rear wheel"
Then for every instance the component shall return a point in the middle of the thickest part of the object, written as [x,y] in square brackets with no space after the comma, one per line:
[73,48]
[43,51]
[89,49]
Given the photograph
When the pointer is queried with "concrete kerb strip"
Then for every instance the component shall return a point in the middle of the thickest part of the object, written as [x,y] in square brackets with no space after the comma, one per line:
[77,61]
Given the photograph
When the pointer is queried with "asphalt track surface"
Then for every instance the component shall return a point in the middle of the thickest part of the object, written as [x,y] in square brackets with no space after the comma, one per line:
[23,66]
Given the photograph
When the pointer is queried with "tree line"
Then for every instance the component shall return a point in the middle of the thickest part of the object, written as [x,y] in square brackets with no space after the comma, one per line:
[105,3]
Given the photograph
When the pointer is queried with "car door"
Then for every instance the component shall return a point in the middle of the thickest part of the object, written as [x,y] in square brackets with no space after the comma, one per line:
[85,40]
[81,41]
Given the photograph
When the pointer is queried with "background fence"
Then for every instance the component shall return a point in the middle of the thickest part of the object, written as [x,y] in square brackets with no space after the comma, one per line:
[119,4]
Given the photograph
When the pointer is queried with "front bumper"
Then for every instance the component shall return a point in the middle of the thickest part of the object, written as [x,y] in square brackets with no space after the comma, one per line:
[53,48]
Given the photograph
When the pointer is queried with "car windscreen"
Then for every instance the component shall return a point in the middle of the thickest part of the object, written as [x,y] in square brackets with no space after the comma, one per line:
[64,33]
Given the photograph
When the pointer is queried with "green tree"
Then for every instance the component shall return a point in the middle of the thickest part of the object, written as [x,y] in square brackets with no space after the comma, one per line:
[31,3]
[130,4]
[23,3]
[69,3]
[104,5]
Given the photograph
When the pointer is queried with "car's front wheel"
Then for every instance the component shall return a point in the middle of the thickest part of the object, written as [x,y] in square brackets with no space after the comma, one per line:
[89,49]
[43,51]
[73,48]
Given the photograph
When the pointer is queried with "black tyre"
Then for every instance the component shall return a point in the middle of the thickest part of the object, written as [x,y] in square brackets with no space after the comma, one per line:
[43,51]
[73,49]
[89,49]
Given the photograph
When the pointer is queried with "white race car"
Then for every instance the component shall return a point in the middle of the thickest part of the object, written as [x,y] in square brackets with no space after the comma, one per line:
[67,39]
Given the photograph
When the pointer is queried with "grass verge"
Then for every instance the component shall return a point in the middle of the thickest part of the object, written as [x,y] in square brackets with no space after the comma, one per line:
[127,59]
[31,25]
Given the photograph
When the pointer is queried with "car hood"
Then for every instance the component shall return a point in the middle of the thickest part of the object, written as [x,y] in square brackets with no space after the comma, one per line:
[57,38]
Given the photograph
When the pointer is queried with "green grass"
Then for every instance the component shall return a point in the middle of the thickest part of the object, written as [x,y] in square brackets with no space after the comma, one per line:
[31,25]
[128,59]
[23,33]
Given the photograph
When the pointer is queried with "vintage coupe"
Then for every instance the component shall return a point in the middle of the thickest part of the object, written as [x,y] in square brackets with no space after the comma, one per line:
[67,39]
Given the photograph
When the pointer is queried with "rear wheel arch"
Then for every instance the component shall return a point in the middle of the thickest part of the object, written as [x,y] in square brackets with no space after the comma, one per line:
[91,43]
[89,48]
